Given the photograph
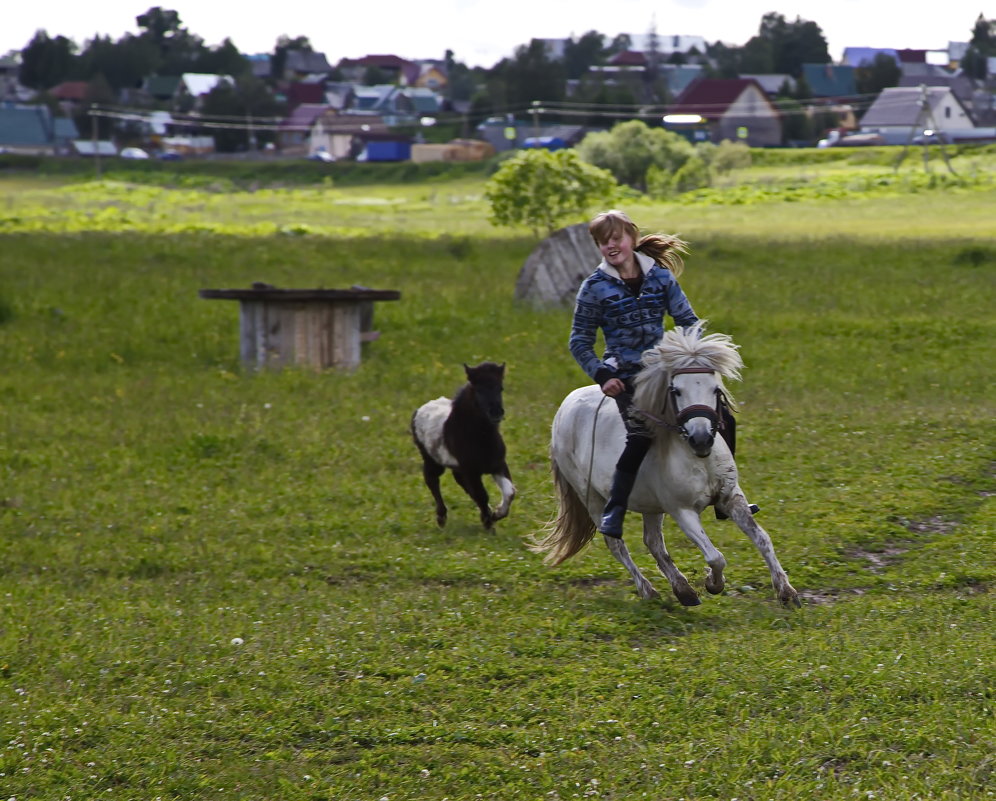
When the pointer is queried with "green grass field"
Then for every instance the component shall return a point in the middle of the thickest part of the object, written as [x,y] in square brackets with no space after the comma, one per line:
[218,584]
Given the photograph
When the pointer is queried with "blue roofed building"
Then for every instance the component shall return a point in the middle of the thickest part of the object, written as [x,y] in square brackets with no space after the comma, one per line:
[829,80]
[32,130]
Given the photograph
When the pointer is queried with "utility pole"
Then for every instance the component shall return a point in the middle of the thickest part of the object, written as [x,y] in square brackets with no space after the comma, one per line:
[96,142]
[924,115]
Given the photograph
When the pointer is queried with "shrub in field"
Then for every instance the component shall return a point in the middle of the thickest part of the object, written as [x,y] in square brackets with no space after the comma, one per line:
[693,174]
[631,148]
[728,156]
[545,190]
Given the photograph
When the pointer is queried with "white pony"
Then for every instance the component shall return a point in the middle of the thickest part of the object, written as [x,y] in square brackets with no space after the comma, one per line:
[680,391]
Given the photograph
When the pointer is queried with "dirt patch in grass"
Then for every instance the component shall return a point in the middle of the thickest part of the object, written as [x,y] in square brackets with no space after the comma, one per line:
[824,597]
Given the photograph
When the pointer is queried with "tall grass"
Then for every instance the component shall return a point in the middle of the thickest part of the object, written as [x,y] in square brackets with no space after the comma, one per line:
[224,584]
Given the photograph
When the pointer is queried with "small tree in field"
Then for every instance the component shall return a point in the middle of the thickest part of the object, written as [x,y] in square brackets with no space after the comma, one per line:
[544,190]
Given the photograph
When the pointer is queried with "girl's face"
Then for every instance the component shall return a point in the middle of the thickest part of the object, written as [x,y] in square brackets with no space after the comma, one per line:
[617,250]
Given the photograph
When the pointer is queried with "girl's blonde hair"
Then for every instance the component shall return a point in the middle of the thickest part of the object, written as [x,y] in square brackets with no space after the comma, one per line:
[664,249]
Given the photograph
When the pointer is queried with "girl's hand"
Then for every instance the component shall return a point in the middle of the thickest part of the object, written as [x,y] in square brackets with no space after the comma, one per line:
[613,387]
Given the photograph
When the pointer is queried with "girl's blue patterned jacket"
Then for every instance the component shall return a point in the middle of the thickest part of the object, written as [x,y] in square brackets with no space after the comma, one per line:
[630,323]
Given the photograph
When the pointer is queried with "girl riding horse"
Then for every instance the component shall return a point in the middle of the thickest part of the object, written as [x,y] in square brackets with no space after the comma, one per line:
[627,296]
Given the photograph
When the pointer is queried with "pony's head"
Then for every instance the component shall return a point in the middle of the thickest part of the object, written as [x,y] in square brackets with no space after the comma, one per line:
[487,382]
[682,383]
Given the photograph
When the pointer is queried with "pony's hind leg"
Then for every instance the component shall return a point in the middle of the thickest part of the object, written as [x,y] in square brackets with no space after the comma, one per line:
[431,471]
[691,523]
[741,515]
[643,587]
[653,538]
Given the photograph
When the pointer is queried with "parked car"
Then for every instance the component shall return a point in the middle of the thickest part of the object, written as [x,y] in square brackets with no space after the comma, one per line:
[133,153]
[322,155]
[929,137]
[170,155]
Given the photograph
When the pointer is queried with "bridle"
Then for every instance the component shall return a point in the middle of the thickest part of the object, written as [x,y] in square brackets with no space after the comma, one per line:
[713,414]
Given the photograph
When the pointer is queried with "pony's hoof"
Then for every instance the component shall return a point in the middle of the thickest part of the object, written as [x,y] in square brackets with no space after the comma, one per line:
[791,600]
[441,521]
[688,598]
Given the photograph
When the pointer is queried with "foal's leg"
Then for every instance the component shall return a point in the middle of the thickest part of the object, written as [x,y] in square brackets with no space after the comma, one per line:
[474,487]
[431,471]
[741,515]
[507,489]
[690,522]
[653,538]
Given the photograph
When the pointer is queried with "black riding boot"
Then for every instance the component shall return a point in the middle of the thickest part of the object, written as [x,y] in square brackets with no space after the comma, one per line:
[622,485]
[729,433]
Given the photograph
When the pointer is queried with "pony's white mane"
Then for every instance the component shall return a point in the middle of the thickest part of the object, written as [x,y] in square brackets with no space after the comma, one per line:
[685,347]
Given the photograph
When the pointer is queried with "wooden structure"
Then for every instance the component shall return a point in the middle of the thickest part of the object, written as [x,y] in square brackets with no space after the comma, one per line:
[555,269]
[317,328]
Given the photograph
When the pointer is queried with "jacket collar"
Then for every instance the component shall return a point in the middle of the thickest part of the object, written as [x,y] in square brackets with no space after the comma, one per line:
[642,259]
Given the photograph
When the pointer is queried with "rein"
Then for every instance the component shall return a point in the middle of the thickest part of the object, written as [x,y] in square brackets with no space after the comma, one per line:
[682,416]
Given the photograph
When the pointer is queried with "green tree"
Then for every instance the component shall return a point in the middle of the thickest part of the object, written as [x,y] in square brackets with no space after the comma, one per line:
[374,76]
[793,43]
[98,93]
[248,99]
[796,124]
[630,148]
[530,75]
[981,46]
[124,64]
[883,72]
[693,174]
[46,62]
[179,50]
[544,190]
[581,55]
[757,57]
[726,156]
[225,59]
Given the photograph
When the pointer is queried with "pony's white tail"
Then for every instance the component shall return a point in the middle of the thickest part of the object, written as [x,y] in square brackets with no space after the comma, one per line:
[573,528]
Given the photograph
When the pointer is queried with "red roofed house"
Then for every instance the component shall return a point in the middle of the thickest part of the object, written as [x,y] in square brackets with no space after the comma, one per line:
[734,109]
[70,95]
[396,69]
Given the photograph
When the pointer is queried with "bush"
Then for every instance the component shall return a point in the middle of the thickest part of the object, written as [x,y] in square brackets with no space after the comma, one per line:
[631,148]
[545,190]
[693,174]
[730,156]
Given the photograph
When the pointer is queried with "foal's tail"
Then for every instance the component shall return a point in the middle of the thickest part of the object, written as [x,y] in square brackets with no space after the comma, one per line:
[573,528]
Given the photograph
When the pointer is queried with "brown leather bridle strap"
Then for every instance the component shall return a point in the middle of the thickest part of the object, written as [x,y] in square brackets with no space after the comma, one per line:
[713,415]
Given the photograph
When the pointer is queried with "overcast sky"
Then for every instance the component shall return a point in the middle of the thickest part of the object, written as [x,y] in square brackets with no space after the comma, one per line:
[481,32]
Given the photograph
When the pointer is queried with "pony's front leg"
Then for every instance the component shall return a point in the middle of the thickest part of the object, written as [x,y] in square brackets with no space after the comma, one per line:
[504,482]
[691,523]
[740,513]
[474,487]
[619,550]
[653,538]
